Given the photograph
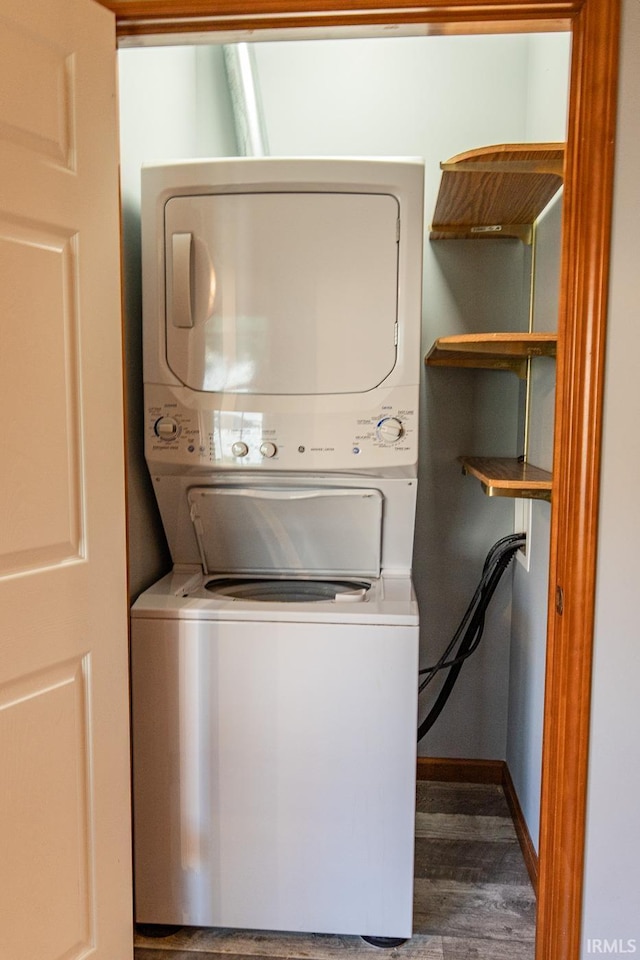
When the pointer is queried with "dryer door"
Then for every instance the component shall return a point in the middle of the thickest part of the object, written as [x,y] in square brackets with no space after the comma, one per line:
[282,293]
[288,530]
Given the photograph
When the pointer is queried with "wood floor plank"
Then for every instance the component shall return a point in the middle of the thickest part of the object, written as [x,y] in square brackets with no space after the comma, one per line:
[444,826]
[459,948]
[167,953]
[196,943]
[470,861]
[424,948]
[479,799]
[141,953]
[488,911]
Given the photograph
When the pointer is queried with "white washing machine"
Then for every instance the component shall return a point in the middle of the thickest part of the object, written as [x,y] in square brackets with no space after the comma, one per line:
[274,671]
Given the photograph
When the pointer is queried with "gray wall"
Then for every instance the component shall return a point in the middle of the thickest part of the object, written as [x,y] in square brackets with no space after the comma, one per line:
[431,97]
[548,69]
[173,105]
[612,893]
[530,580]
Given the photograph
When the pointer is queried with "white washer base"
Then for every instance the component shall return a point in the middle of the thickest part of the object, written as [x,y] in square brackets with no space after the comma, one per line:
[274,774]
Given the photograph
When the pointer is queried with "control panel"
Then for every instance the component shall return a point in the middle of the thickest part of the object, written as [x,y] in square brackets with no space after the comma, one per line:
[272,439]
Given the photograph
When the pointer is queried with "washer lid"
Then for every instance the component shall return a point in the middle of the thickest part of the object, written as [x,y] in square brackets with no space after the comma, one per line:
[294,530]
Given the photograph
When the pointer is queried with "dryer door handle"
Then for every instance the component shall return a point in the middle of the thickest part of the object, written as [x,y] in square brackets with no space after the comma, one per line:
[181,292]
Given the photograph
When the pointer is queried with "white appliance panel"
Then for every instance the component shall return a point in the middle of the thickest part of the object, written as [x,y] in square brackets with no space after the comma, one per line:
[382,241]
[183,595]
[398,512]
[274,775]
[349,433]
[287,529]
[279,293]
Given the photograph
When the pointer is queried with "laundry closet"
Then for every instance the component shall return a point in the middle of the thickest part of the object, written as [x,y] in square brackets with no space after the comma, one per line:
[431,98]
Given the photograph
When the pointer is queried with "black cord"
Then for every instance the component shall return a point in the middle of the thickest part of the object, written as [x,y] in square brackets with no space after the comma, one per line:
[471,627]
[515,539]
[483,593]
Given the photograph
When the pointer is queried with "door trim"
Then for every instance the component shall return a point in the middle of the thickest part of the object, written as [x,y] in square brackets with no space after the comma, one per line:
[155,17]
[581,336]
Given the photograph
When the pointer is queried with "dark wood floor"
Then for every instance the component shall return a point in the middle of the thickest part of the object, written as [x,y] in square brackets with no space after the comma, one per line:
[473,898]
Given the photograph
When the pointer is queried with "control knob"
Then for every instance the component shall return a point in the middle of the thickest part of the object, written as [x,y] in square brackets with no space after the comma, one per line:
[166,428]
[268,449]
[239,449]
[390,429]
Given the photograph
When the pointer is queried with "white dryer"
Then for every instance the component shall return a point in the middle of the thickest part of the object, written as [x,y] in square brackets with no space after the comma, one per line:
[274,671]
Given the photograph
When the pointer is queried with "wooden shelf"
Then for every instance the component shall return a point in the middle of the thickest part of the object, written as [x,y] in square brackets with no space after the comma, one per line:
[492,351]
[496,192]
[508,477]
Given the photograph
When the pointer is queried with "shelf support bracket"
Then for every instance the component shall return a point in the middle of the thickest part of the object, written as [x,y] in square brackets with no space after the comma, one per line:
[515,231]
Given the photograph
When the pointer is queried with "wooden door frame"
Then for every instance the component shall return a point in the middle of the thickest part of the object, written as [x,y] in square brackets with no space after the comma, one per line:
[583,306]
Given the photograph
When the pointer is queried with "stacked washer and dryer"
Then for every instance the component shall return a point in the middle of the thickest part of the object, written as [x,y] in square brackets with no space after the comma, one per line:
[274,670]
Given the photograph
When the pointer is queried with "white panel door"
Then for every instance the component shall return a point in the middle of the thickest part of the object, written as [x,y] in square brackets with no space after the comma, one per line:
[65,885]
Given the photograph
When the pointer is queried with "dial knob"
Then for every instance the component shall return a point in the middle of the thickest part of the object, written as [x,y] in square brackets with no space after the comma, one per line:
[166,428]
[268,449]
[239,449]
[390,429]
